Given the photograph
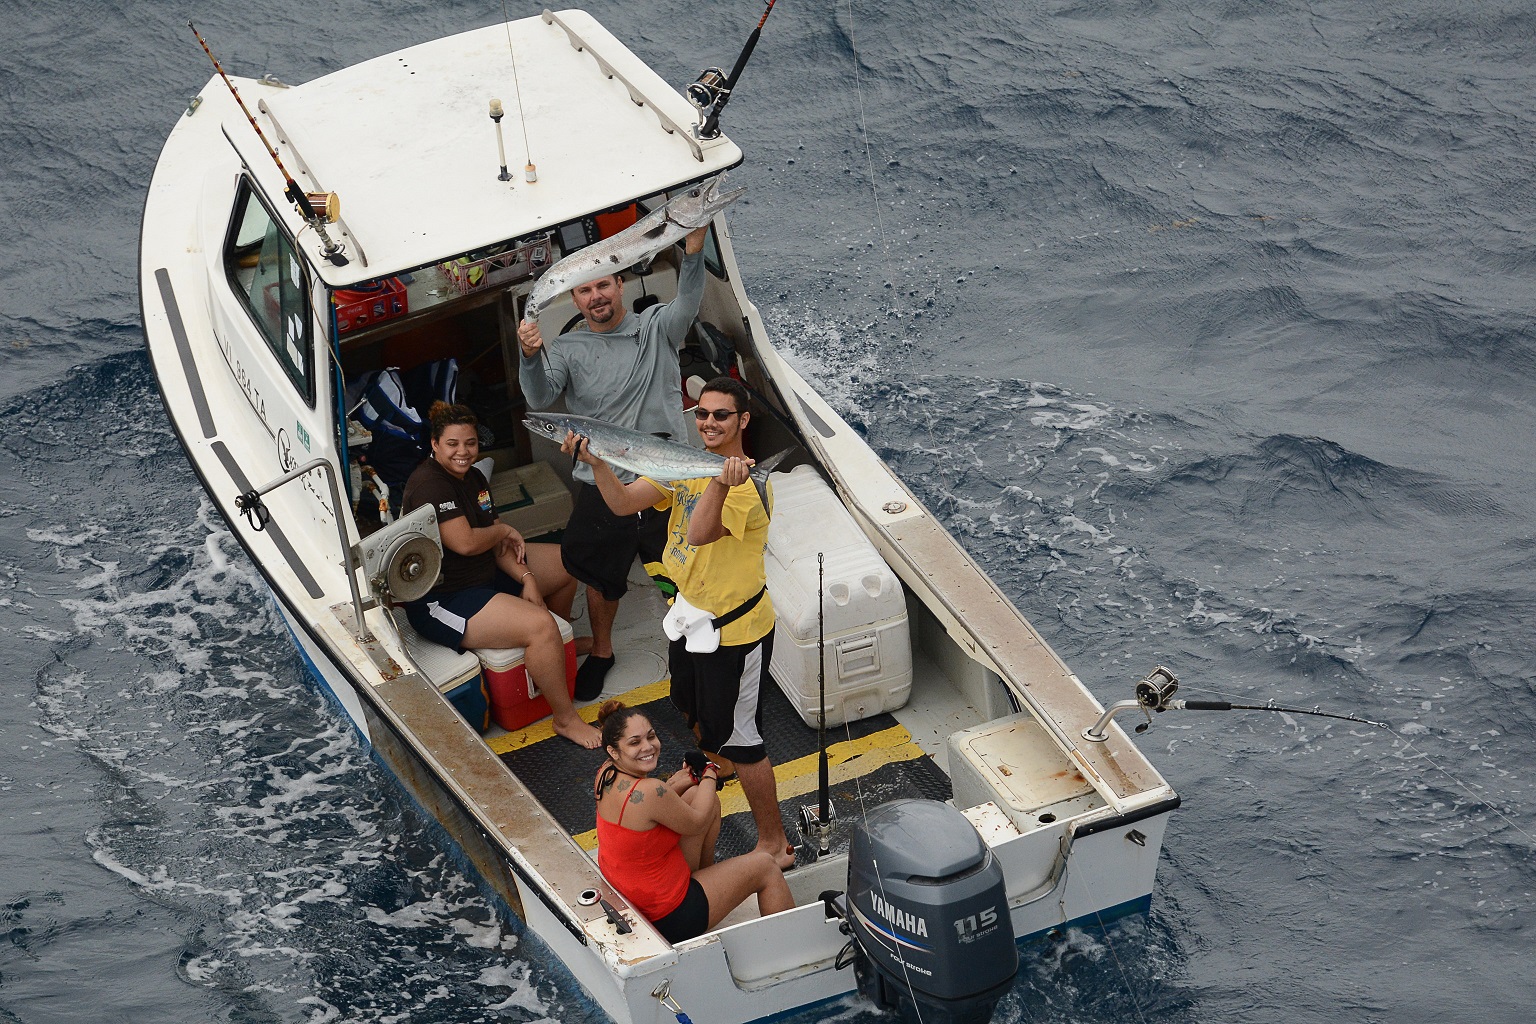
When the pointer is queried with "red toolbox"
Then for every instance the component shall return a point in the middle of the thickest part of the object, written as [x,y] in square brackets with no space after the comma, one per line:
[372,302]
[515,701]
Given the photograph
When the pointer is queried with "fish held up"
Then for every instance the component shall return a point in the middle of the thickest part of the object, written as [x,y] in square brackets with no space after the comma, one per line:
[662,227]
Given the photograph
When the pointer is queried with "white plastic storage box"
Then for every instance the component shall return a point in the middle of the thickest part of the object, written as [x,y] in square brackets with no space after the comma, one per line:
[868,647]
[532,499]
[1014,763]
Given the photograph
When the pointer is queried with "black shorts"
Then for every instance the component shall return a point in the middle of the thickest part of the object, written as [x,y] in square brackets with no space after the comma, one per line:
[721,692]
[598,547]
[690,919]
[441,618]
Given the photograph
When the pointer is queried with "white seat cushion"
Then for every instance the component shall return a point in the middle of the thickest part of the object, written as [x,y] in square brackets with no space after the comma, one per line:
[443,666]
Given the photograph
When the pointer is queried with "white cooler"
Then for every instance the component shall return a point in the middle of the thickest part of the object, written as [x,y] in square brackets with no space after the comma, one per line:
[868,648]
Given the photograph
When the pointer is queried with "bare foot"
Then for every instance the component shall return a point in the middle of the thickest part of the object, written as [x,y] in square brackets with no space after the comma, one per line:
[784,858]
[579,732]
[583,646]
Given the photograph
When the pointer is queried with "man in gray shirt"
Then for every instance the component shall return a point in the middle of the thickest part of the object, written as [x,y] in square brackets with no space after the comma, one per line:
[620,367]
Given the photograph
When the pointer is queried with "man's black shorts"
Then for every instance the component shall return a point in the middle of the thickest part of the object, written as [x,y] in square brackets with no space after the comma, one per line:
[598,547]
[721,693]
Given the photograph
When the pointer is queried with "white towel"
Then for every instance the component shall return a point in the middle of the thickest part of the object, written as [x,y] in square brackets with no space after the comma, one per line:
[684,620]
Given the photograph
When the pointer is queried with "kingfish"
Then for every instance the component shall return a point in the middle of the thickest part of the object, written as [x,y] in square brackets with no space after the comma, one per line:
[646,237]
[644,454]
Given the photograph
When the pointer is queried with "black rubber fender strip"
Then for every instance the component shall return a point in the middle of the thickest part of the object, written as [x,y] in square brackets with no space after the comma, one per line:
[1128,818]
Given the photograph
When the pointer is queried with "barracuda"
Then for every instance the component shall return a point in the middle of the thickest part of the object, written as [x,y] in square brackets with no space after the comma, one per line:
[644,454]
[646,237]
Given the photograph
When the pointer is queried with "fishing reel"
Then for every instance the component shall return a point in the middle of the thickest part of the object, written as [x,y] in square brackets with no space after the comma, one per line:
[707,89]
[1155,691]
[816,830]
[1152,694]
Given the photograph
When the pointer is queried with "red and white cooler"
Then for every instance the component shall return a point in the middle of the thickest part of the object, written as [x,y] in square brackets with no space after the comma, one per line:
[515,700]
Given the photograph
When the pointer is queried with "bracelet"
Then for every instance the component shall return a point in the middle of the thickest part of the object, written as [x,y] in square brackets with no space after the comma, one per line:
[525,575]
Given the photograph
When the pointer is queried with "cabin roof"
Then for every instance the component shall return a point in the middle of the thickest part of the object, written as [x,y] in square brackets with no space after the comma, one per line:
[407,142]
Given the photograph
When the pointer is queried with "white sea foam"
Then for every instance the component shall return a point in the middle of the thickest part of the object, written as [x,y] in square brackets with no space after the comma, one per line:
[1200,613]
[428,913]
[245,799]
[524,994]
[61,537]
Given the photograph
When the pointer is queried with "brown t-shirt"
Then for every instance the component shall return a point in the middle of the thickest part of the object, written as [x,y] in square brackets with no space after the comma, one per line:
[431,484]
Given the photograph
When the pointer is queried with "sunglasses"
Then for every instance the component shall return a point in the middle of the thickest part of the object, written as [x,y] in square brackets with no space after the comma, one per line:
[720,415]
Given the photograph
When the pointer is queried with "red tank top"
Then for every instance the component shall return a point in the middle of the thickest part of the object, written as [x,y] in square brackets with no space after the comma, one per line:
[647,867]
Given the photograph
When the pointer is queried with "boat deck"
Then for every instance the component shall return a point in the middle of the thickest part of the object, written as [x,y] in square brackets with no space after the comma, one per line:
[881,758]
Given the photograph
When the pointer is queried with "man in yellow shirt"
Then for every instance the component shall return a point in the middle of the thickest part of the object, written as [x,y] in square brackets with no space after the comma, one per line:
[716,533]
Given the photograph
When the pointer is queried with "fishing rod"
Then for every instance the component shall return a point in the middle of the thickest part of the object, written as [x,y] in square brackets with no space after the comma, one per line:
[816,822]
[712,90]
[317,208]
[1155,693]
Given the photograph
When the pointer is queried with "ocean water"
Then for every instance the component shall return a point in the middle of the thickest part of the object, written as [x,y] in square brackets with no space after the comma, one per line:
[1207,327]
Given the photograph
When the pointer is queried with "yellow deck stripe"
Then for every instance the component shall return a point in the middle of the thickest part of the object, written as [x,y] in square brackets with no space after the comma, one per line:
[544,728]
[845,761]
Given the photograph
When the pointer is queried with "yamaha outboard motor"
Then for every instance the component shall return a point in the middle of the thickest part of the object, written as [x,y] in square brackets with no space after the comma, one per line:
[928,913]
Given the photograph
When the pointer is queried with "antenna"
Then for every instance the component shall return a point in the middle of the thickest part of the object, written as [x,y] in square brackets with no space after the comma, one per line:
[530,172]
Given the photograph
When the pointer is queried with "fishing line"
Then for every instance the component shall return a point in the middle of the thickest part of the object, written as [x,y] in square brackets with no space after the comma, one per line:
[869,161]
[906,973]
[1115,955]
[506,20]
[874,189]
[1459,784]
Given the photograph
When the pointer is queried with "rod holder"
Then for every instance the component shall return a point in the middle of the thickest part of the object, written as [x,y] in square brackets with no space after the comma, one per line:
[1152,694]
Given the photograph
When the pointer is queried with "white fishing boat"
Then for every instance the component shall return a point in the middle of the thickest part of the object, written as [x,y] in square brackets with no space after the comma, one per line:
[384,229]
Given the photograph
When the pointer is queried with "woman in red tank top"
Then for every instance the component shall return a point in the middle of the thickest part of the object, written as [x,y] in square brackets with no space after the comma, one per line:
[656,840]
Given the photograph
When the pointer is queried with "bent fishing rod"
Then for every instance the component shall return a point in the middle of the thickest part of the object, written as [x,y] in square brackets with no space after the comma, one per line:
[310,205]
[712,90]
[1155,693]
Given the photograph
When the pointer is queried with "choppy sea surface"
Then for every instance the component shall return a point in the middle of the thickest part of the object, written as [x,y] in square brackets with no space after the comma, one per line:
[1207,327]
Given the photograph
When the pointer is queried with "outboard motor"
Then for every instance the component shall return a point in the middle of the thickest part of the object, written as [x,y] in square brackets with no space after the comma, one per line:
[926,906]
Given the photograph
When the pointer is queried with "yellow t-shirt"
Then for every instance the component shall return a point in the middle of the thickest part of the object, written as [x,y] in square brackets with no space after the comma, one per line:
[719,577]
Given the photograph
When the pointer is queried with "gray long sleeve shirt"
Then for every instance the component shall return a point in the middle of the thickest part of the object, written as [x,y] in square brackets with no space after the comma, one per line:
[628,375]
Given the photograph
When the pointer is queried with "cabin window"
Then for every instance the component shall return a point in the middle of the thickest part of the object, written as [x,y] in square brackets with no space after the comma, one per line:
[266,273]
[712,259]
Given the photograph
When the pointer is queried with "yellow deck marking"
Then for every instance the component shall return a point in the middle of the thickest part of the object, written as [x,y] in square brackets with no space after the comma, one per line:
[544,728]
[847,760]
